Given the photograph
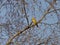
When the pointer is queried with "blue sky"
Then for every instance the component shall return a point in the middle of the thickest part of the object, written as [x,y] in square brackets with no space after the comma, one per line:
[34,13]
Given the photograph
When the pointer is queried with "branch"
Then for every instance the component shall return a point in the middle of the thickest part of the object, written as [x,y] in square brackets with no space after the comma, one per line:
[3,3]
[27,27]
[23,1]
[52,6]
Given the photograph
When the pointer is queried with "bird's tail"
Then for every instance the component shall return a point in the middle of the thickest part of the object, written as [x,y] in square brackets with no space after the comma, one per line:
[37,25]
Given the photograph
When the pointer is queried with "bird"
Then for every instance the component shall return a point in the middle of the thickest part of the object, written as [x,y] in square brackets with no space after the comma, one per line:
[34,21]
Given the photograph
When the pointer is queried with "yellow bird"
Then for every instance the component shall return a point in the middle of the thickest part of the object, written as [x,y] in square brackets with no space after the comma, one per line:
[34,21]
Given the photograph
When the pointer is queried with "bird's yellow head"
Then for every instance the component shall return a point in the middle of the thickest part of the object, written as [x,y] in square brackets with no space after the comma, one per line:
[33,18]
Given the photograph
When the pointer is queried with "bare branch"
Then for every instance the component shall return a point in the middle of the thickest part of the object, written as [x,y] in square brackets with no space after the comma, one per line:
[27,27]
[23,1]
[2,3]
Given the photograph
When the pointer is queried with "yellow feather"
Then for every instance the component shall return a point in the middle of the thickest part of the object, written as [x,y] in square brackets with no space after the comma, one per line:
[34,21]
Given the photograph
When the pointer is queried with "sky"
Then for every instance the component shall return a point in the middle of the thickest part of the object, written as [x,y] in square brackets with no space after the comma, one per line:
[33,13]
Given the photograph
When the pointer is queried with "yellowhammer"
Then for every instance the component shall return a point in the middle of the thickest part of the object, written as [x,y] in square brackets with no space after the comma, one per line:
[34,21]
